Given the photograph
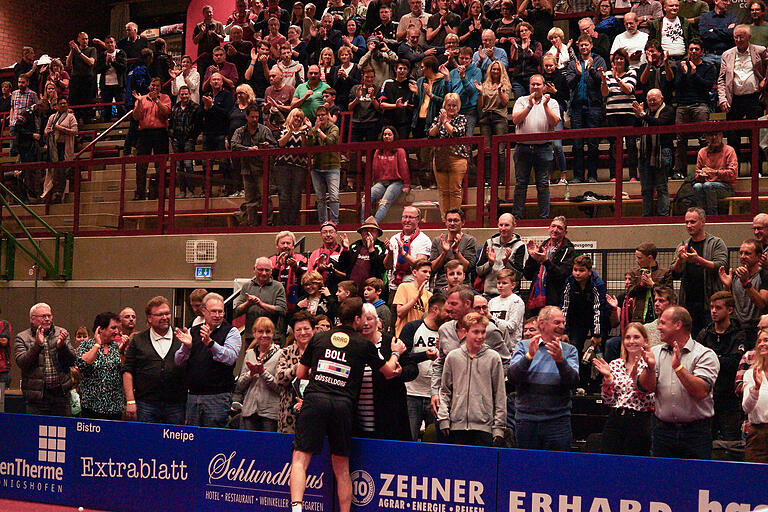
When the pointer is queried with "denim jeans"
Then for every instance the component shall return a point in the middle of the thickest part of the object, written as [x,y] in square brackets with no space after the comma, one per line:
[472,117]
[385,193]
[419,410]
[160,412]
[520,87]
[682,440]
[557,148]
[539,157]
[709,193]
[655,178]
[208,410]
[585,117]
[696,113]
[185,171]
[714,59]
[326,181]
[554,434]
[290,182]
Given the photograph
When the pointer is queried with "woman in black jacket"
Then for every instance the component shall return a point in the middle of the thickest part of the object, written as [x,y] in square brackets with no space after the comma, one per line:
[382,410]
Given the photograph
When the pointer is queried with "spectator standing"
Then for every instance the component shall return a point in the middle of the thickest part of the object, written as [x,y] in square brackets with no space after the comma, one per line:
[441,23]
[507,309]
[29,68]
[725,337]
[420,338]
[643,280]
[98,359]
[217,105]
[716,31]
[692,10]
[240,17]
[544,370]
[415,19]
[184,127]
[758,28]
[540,15]
[261,296]
[406,248]
[717,169]
[303,328]
[628,428]
[632,40]
[549,265]
[257,75]
[411,298]
[238,52]
[656,152]
[503,250]
[600,42]
[478,418]
[647,11]
[151,112]
[470,30]
[44,355]
[535,113]
[289,266]
[155,387]
[697,265]
[693,83]
[585,79]
[111,66]
[82,87]
[325,259]
[278,98]
[663,298]
[132,43]
[525,59]
[365,108]
[462,81]
[617,87]
[371,293]
[207,35]
[209,352]
[309,95]
[488,52]
[324,37]
[656,72]
[326,168]
[59,133]
[257,380]
[673,31]
[449,162]
[606,23]
[754,402]
[22,99]
[749,285]
[366,257]
[220,66]
[397,100]
[454,244]
[346,75]
[682,373]
[253,136]
[559,49]
[291,170]
[493,106]
[741,82]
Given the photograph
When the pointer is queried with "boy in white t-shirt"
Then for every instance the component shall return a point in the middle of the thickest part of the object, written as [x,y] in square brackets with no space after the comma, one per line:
[508,309]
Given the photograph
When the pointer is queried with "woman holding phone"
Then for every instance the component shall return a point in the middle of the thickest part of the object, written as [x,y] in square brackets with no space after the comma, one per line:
[628,429]
[257,379]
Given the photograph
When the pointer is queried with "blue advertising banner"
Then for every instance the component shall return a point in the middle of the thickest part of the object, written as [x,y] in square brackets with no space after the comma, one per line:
[241,470]
[574,482]
[136,467]
[394,475]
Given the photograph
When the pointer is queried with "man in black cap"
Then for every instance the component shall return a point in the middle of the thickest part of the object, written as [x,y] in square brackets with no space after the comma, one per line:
[337,360]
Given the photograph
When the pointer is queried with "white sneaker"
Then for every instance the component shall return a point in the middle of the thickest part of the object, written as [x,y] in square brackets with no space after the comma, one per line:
[562,181]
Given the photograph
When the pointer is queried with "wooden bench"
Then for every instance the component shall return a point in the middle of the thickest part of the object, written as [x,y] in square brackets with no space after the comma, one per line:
[736,204]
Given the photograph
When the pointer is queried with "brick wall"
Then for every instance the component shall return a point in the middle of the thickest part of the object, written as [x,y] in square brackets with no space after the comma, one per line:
[47,25]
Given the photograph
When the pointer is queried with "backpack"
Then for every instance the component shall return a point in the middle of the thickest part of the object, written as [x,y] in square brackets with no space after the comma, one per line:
[685,198]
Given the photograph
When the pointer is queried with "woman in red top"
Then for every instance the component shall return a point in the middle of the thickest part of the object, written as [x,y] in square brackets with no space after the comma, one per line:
[391,176]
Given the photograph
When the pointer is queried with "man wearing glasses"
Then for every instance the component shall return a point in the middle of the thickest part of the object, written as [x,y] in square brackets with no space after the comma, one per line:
[155,386]
[404,249]
[44,355]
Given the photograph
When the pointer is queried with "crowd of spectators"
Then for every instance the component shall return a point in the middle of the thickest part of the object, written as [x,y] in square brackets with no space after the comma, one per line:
[412,69]
[677,368]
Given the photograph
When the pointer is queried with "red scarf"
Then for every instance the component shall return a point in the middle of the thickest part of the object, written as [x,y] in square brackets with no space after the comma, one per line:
[402,267]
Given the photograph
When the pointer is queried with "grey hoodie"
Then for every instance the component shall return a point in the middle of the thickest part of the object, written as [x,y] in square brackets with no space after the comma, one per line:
[449,341]
[472,395]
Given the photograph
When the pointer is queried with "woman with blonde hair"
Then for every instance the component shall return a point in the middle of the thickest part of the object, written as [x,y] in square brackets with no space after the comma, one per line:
[261,399]
[755,402]
[244,96]
[290,171]
[326,62]
[628,429]
[492,102]
[560,49]
[449,162]
[58,76]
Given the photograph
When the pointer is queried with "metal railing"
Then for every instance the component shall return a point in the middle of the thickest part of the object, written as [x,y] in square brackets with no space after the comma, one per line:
[483,203]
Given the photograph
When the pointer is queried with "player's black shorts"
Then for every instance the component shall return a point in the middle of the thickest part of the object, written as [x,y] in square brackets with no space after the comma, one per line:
[323,414]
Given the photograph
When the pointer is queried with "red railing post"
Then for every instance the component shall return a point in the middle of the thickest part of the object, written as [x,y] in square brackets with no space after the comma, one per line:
[493,180]
[755,172]
[160,171]
[368,183]
[480,185]
[171,221]
[76,206]
[619,171]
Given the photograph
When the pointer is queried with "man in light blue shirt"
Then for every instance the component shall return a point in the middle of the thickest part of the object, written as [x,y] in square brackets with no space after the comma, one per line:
[462,81]
[489,52]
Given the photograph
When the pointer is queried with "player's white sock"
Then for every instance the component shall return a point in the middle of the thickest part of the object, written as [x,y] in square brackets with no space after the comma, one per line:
[296,506]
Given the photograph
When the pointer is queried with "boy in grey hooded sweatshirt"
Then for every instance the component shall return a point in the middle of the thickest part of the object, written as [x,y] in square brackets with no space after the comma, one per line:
[473,401]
